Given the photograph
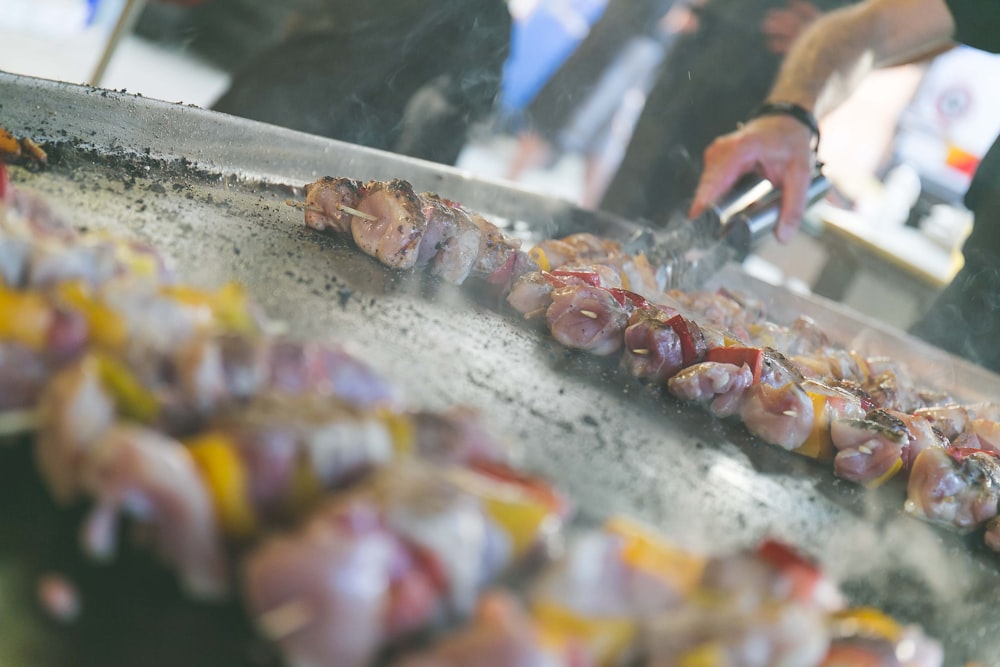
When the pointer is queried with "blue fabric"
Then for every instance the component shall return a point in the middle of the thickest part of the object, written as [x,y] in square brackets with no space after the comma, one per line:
[539,45]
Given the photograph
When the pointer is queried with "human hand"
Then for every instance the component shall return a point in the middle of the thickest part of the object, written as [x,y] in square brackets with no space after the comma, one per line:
[782,25]
[780,148]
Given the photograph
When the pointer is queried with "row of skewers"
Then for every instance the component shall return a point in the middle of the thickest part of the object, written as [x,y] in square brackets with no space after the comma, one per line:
[292,475]
[790,386]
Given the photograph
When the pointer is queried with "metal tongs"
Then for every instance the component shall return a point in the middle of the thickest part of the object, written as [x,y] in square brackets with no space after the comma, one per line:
[688,251]
[749,212]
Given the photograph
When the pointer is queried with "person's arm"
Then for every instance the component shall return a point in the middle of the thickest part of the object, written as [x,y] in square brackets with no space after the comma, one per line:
[822,69]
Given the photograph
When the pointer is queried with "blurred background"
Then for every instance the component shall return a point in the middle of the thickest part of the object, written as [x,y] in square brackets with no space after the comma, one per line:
[606,103]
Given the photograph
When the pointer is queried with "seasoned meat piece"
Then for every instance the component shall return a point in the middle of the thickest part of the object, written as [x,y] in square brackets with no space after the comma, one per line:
[953,419]
[75,411]
[501,635]
[23,374]
[870,450]
[394,236]
[495,249]
[955,488]
[652,348]
[14,258]
[276,434]
[154,480]
[530,293]
[779,370]
[533,291]
[552,254]
[920,435]
[456,435]
[448,524]
[338,589]
[751,614]
[459,251]
[720,385]
[55,262]
[587,318]
[781,416]
[224,369]
[980,434]
[325,199]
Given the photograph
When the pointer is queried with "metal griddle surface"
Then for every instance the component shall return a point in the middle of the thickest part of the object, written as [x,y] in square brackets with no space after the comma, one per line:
[201,187]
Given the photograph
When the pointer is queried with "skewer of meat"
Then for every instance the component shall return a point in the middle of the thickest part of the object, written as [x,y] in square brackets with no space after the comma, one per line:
[402,229]
[262,465]
[386,560]
[218,375]
[626,597]
[586,608]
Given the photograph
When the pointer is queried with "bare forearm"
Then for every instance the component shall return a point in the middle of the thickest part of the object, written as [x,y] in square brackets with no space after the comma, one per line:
[831,58]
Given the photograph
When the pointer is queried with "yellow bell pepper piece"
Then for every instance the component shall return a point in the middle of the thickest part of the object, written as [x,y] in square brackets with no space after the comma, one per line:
[540,258]
[131,397]
[519,515]
[652,554]
[226,477]
[142,264]
[607,638]
[306,488]
[106,327]
[232,310]
[866,621]
[226,308]
[709,654]
[818,445]
[401,430]
[25,318]
[886,476]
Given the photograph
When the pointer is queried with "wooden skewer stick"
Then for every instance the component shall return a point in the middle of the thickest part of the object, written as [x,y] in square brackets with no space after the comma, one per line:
[356,213]
[302,206]
[17,422]
[346,209]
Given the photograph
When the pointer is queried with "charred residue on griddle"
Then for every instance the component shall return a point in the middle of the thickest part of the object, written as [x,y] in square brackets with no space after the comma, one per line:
[343,296]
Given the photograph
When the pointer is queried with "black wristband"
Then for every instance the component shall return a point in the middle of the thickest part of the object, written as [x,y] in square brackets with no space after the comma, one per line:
[796,111]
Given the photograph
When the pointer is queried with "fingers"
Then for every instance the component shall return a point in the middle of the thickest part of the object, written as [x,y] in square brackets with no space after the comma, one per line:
[726,159]
[780,147]
[794,194]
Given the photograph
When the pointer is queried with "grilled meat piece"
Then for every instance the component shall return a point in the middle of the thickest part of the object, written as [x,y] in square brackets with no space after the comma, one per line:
[869,449]
[587,318]
[721,386]
[652,347]
[336,590]
[501,634]
[325,200]
[952,419]
[451,241]
[955,488]
[781,416]
[394,235]
[153,480]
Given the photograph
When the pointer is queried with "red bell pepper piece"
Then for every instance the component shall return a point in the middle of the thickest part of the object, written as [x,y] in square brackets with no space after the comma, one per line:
[589,277]
[624,297]
[692,339]
[803,572]
[962,453]
[502,275]
[739,355]
[4,182]
[540,490]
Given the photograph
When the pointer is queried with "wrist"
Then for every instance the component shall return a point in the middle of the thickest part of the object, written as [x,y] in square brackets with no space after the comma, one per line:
[792,110]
